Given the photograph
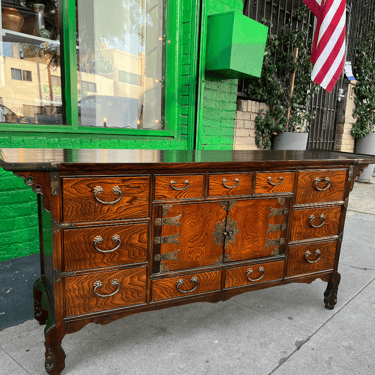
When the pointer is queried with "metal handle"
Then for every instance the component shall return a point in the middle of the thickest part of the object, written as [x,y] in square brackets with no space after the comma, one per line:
[116,190]
[193,280]
[174,182]
[99,239]
[281,179]
[326,180]
[231,187]
[317,253]
[249,271]
[321,217]
[99,284]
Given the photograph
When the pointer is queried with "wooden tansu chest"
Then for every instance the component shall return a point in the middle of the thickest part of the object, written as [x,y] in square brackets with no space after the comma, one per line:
[129,231]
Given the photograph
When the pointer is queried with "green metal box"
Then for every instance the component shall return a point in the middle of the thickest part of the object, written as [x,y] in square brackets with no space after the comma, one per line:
[235,45]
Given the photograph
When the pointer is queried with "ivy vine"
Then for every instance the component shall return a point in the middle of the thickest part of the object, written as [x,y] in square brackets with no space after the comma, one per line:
[274,84]
[364,71]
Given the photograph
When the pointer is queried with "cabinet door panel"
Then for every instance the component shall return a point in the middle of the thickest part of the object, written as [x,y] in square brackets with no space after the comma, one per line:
[184,235]
[261,228]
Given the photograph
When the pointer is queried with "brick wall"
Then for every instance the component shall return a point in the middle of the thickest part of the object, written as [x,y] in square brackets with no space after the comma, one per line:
[345,141]
[247,111]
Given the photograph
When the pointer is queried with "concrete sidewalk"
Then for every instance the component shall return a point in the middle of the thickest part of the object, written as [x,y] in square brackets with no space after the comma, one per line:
[282,330]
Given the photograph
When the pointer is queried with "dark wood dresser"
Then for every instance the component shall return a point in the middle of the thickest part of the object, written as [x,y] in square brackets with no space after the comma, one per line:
[129,231]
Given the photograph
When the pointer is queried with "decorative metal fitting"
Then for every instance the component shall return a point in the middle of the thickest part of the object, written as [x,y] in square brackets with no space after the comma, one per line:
[166,256]
[184,188]
[276,227]
[166,239]
[231,187]
[318,254]
[275,242]
[250,271]
[281,179]
[168,221]
[321,217]
[194,280]
[278,211]
[99,239]
[99,284]
[326,180]
[99,190]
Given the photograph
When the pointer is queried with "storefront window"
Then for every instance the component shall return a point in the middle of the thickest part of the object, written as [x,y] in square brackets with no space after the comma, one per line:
[30,76]
[120,46]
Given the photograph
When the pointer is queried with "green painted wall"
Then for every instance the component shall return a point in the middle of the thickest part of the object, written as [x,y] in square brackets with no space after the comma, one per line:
[18,208]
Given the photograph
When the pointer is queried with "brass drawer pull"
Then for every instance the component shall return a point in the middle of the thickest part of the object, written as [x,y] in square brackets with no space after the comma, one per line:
[99,239]
[184,188]
[281,179]
[326,180]
[249,271]
[321,217]
[231,187]
[99,284]
[318,254]
[116,190]
[193,280]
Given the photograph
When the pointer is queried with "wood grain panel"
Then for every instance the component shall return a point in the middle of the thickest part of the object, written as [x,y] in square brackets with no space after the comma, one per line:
[299,265]
[80,297]
[307,190]
[264,181]
[80,205]
[301,223]
[221,185]
[193,188]
[254,218]
[167,288]
[81,254]
[196,246]
[239,276]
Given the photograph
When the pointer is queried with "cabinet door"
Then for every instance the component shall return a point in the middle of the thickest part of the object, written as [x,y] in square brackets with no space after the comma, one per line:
[260,226]
[183,235]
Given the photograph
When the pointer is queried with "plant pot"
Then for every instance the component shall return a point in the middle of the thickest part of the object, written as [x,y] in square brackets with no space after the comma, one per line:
[366,145]
[290,141]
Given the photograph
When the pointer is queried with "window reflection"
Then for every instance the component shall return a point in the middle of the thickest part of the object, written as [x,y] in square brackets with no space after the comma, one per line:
[30,76]
[120,63]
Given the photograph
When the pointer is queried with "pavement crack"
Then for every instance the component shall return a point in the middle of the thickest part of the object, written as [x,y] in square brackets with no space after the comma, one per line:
[14,360]
[300,343]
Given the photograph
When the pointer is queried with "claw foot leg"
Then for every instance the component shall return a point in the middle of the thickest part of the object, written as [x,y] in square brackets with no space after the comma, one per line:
[330,295]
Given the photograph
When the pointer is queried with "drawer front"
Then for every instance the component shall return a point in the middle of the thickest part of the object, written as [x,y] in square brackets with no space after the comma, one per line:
[321,186]
[104,291]
[105,246]
[187,285]
[254,274]
[105,198]
[222,185]
[315,223]
[274,182]
[304,259]
[178,187]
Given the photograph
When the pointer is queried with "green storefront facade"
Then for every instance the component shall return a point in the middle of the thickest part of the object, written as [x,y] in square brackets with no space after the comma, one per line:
[198,111]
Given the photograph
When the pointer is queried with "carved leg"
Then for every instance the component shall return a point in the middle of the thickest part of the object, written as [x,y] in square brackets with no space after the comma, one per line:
[330,295]
[55,355]
[40,314]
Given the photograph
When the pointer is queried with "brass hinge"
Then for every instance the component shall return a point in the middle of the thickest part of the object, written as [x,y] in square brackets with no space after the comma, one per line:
[276,227]
[57,275]
[55,183]
[278,241]
[166,256]
[166,209]
[168,220]
[278,211]
[166,239]
[55,226]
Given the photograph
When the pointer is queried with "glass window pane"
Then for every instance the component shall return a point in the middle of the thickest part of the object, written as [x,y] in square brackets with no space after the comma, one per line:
[29,59]
[120,63]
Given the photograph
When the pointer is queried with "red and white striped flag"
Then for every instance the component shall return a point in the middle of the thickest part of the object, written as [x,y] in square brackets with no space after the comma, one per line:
[328,50]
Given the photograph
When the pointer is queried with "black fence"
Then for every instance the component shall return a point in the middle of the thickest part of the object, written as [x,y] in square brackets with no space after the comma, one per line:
[277,13]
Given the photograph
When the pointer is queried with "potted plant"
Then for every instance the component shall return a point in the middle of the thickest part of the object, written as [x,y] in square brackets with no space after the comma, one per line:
[363,129]
[285,86]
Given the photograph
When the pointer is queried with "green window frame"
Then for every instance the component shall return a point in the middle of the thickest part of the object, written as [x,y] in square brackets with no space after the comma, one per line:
[172,67]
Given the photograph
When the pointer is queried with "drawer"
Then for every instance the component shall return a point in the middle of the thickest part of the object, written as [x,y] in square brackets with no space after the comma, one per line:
[315,223]
[303,259]
[274,182]
[105,198]
[222,185]
[104,291]
[254,274]
[180,286]
[178,187]
[321,186]
[105,246]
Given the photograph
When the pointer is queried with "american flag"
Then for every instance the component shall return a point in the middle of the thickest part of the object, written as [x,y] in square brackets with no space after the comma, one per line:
[328,50]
